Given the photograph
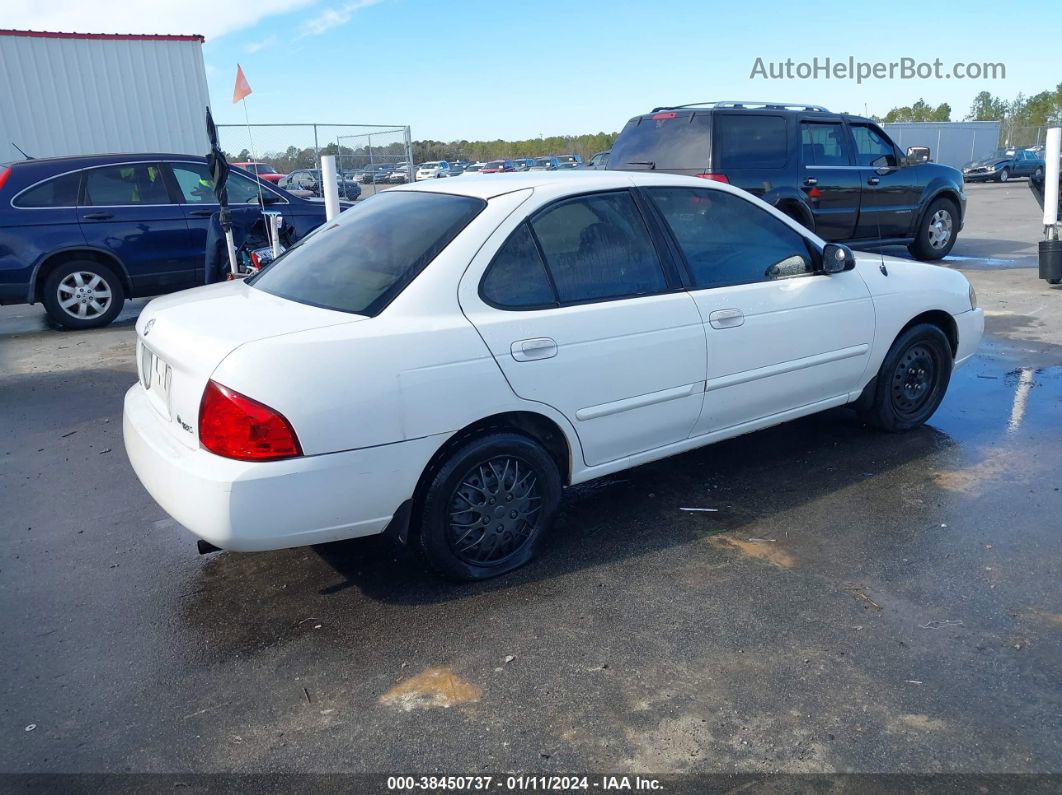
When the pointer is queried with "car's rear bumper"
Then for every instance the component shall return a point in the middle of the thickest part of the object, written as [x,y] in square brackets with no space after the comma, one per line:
[971,327]
[248,506]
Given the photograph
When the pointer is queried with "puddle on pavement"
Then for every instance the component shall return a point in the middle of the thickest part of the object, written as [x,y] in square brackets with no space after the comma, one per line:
[761,549]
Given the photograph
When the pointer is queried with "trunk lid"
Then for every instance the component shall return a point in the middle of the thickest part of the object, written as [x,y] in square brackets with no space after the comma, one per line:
[183,337]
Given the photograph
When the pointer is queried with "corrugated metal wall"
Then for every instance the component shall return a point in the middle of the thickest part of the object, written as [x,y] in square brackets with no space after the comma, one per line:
[952,143]
[84,96]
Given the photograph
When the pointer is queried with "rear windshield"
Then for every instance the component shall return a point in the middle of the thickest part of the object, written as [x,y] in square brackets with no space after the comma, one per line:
[668,141]
[368,255]
[494,164]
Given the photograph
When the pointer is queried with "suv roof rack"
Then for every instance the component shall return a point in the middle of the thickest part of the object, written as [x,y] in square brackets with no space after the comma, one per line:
[746,104]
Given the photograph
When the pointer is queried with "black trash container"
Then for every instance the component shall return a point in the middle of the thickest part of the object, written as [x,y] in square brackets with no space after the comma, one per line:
[1051,261]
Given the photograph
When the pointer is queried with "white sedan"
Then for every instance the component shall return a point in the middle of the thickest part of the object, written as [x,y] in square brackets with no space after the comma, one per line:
[444,358]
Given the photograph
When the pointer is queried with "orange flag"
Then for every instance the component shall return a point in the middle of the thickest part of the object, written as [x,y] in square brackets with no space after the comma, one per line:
[243,88]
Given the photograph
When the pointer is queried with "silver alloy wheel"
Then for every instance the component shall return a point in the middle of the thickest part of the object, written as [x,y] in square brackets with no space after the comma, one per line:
[940,229]
[84,295]
[1004,175]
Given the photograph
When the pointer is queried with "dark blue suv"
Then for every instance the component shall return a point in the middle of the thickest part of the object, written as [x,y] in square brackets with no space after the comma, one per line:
[82,234]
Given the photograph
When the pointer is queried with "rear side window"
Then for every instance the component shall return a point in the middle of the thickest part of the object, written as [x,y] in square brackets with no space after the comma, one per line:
[667,141]
[57,192]
[125,184]
[598,247]
[517,278]
[727,240]
[822,144]
[368,255]
[750,141]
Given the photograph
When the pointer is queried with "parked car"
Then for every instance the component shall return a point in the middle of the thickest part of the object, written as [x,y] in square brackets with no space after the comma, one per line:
[376,173]
[497,167]
[456,169]
[1001,165]
[400,174]
[523,163]
[263,171]
[573,158]
[474,168]
[545,164]
[308,182]
[507,337]
[598,159]
[434,169]
[837,174]
[82,234]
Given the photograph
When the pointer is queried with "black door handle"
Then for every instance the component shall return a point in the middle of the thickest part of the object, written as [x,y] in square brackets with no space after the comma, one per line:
[873,181]
[97,216]
[200,213]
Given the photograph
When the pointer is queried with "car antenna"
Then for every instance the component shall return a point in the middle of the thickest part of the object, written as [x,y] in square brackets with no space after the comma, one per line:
[28,157]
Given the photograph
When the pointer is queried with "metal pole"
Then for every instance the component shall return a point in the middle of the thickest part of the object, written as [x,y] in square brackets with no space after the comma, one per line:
[409,152]
[316,148]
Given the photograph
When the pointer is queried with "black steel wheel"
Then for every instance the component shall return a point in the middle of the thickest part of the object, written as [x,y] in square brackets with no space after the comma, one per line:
[912,380]
[485,510]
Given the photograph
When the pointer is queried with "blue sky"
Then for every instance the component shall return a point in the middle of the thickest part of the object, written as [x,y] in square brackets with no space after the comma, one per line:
[476,69]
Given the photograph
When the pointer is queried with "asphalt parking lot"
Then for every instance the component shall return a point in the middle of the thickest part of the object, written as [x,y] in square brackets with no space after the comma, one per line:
[858,602]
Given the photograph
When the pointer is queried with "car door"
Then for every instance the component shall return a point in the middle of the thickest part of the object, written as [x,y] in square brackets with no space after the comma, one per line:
[781,335]
[195,190]
[127,208]
[890,192]
[831,181]
[579,315]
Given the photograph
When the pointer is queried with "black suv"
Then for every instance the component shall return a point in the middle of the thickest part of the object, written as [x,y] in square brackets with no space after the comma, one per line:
[839,175]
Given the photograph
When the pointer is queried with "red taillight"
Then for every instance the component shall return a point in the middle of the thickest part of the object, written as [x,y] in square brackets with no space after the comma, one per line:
[715,177]
[4,174]
[234,426]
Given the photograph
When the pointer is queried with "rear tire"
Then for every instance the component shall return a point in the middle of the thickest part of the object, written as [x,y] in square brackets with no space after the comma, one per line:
[912,380]
[936,232]
[486,509]
[83,294]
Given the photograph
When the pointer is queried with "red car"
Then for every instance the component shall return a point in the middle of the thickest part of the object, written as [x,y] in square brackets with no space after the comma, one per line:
[263,170]
[498,166]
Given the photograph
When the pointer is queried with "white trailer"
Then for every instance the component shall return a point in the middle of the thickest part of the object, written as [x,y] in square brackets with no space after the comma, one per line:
[88,93]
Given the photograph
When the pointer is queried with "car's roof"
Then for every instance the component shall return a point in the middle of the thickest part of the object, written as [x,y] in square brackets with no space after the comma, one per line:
[98,159]
[491,185]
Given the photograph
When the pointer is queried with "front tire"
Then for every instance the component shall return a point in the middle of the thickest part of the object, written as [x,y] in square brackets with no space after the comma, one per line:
[486,509]
[936,232]
[83,294]
[1038,174]
[1004,175]
[912,380]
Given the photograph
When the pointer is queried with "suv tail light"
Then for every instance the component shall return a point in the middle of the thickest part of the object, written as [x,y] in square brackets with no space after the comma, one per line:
[715,177]
[4,174]
[234,426]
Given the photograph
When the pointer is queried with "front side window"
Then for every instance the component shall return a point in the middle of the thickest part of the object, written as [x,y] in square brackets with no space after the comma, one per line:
[368,255]
[126,184]
[750,141]
[197,187]
[598,247]
[872,148]
[57,192]
[822,144]
[516,278]
[727,240]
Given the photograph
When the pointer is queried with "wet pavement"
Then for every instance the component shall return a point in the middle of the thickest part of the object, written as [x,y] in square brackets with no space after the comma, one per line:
[859,601]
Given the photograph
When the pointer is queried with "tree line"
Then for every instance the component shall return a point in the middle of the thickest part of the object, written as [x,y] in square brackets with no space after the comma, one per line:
[1021,117]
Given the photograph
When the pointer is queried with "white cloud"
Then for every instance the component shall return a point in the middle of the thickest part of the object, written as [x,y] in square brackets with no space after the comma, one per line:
[333,17]
[255,46]
[211,18]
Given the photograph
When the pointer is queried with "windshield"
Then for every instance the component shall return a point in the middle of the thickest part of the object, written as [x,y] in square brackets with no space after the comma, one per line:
[1003,153]
[429,165]
[370,253]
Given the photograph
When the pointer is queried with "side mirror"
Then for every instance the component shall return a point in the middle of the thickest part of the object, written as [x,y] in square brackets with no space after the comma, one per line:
[836,258]
[918,154]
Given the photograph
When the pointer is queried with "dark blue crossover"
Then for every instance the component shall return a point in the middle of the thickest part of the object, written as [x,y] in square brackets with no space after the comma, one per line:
[82,234]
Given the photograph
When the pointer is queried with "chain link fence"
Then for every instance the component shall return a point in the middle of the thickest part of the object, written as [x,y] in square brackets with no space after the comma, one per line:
[1014,135]
[369,152]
